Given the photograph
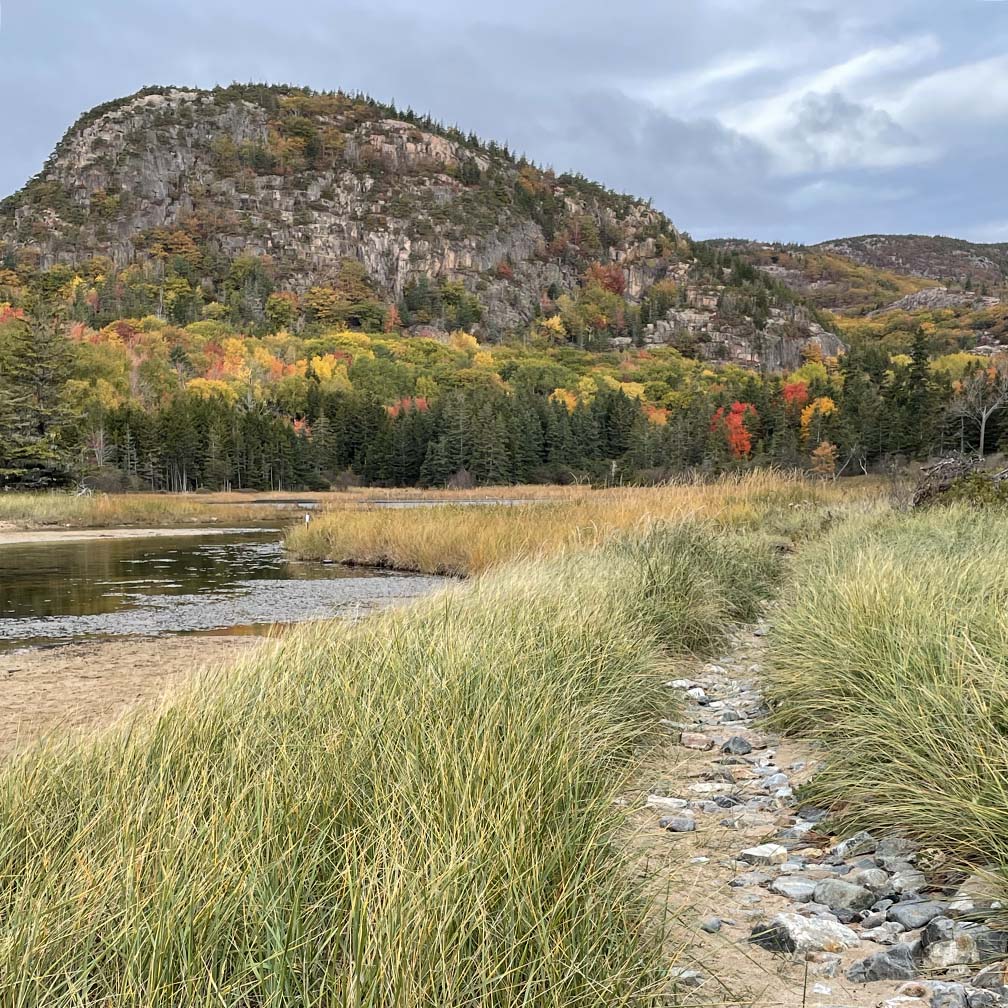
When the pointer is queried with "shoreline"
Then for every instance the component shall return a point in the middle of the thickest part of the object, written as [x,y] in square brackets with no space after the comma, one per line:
[26,537]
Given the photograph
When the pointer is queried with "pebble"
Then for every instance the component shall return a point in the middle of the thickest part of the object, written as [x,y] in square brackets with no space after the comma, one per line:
[765,854]
[679,824]
[840,895]
[693,740]
[711,925]
[915,914]
[895,963]
[798,890]
[737,746]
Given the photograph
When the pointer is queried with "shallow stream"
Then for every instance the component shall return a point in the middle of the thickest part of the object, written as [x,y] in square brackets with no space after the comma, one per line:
[237,581]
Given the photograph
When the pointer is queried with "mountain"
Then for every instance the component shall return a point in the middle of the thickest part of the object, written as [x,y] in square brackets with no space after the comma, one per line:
[879,289]
[278,206]
[935,258]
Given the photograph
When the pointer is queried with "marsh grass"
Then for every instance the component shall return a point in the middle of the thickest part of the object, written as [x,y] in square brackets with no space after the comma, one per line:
[892,649]
[464,540]
[37,510]
[413,810]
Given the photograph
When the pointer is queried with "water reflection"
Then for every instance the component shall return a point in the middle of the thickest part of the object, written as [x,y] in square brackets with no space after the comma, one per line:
[75,590]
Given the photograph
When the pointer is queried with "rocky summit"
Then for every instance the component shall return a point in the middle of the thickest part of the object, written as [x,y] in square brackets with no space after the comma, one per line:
[178,185]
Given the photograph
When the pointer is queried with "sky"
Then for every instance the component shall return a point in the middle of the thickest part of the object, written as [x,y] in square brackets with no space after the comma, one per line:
[790,120]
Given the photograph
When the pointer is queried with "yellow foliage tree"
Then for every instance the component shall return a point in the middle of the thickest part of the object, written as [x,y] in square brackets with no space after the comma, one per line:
[212,388]
[813,414]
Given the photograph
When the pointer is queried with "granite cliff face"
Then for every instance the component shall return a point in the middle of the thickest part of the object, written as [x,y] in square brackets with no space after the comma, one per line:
[190,180]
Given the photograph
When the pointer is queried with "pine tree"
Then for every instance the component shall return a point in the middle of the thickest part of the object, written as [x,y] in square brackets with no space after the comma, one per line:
[36,367]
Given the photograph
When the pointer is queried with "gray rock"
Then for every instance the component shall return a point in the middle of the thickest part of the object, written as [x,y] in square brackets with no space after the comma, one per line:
[895,963]
[860,843]
[910,881]
[872,878]
[777,780]
[884,934]
[790,932]
[812,814]
[711,925]
[895,848]
[678,824]
[798,890]
[840,895]
[737,746]
[915,913]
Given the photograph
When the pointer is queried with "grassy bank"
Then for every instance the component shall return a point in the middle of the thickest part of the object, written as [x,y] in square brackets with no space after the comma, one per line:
[415,810]
[39,510]
[892,649]
[463,540]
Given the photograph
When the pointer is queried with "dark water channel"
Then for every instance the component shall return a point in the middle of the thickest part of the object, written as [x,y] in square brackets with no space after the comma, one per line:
[239,581]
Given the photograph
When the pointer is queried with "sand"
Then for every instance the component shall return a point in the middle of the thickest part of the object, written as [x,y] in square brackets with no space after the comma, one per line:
[76,687]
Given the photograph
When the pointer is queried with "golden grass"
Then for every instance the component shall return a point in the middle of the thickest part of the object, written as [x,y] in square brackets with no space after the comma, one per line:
[467,540]
[892,649]
[413,811]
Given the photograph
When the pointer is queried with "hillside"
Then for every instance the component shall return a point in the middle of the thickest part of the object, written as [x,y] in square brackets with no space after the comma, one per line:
[272,207]
[880,289]
[949,260]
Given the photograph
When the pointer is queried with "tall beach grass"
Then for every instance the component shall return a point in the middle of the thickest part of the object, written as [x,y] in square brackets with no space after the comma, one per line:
[467,540]
[414,810]
[892,649]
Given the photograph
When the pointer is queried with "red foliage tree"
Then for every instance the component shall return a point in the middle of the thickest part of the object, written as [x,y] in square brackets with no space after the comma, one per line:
[796,396]
[732,424]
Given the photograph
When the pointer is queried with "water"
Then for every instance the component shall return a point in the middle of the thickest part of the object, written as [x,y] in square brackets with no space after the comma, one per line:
[233,582]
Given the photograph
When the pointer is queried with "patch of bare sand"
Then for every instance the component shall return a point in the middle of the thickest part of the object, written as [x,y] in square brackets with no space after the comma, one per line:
[75,687]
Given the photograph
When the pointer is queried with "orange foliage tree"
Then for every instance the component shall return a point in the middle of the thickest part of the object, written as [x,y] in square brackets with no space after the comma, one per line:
[732,424]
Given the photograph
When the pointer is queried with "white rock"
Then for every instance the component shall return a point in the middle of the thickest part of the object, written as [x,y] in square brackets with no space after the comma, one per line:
[765,854]
[790,932]
[662,804]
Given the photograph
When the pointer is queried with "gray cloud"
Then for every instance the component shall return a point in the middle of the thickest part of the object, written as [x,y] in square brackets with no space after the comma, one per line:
[797,119]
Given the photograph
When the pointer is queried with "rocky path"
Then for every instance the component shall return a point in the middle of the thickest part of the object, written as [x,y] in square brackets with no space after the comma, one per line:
[781,913]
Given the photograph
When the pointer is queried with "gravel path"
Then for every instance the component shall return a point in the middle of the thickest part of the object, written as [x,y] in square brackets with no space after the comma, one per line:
[781,913]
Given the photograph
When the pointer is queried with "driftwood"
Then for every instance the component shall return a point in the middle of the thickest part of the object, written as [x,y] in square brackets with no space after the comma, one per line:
[940,477]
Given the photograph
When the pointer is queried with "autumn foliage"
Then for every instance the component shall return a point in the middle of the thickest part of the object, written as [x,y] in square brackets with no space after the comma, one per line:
[732,423]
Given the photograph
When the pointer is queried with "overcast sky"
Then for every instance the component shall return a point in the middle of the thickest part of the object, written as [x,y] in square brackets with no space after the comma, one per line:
[795,120]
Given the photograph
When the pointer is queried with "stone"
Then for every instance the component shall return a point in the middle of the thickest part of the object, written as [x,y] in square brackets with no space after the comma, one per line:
[683,977]
[812,814]
[764,854]
[790,932]
[711,925]
[884,934]
[824,964]
[949,995]
[890,848]
[737,746]
[872,878]
[895,963]
[679,824]
[860,843]
[946,943]
[777,780]
[798,890]
[905,1002]
[694,740]
[911,881]
[662,803]
[840,895]
[915,913]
